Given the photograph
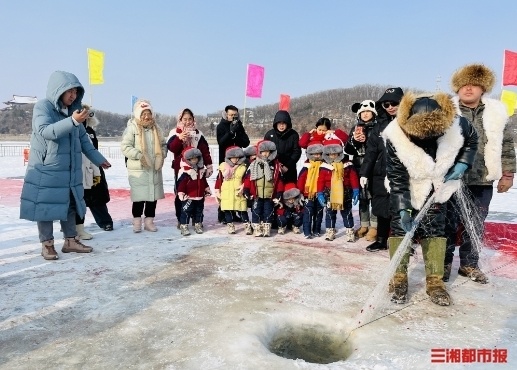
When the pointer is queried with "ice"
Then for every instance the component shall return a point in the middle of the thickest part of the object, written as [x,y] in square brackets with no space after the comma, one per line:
[215,301]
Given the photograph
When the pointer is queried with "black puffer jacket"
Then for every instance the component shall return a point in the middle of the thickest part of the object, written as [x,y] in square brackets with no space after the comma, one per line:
[287,146]
[358,149]
[373,166]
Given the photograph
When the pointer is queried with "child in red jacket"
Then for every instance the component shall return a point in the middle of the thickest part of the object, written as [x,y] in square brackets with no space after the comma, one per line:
[264,185]
[308,185]
[290,211]
[192,189]
[338,186]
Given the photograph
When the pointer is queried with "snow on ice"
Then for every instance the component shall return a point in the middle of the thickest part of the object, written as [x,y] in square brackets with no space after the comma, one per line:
[219,301]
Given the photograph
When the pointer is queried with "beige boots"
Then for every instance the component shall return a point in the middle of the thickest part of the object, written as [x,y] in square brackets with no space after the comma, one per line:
[230,227]
[81,233]
[248,229]
[137,224]
[71,245]
[148,224]
[330,234]
[47,250]
[74,245]
[349,235]
[184,230]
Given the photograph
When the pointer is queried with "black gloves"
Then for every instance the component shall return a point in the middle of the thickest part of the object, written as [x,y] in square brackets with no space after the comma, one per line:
[235,126]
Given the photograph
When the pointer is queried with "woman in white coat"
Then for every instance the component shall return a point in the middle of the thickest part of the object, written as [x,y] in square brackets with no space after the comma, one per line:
[143,144]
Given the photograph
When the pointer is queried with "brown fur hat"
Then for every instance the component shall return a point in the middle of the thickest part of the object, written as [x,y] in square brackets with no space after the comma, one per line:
[473,74]
[425,116]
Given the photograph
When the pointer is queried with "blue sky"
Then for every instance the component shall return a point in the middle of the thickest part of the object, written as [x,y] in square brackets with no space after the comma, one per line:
[194,53]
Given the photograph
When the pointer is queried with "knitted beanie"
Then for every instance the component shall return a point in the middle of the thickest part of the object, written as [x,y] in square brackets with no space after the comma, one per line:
[140,106]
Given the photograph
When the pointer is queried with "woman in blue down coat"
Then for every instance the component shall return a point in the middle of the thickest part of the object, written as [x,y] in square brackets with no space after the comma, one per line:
[53,184]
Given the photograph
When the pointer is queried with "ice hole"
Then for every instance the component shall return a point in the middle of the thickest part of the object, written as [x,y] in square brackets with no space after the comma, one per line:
[310,343]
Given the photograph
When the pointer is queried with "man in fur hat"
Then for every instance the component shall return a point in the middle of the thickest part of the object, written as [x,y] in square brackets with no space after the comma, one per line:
[429,148]
[495,159]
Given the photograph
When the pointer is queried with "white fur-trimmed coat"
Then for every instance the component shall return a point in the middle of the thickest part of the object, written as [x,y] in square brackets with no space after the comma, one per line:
[424,173]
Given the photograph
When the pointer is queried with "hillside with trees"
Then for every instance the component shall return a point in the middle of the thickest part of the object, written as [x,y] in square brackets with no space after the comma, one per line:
[305,111]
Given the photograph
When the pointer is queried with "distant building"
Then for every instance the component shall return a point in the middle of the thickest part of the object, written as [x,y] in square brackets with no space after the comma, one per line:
[19,100]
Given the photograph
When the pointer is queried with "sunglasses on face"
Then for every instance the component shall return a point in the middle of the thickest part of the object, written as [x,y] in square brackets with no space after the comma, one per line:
[387,104]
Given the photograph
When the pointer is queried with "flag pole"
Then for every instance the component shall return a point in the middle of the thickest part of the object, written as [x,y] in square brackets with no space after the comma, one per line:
[245,93]
[89,79]
[502,76]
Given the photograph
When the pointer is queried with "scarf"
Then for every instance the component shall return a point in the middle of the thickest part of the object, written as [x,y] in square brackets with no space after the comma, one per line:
[158,156]
[189,128]
[311,184]
[228,171]
[259,168]
[336,186]
[315,137]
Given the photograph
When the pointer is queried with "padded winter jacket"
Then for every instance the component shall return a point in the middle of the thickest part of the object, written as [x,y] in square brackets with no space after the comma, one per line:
[54,168]
[146,184]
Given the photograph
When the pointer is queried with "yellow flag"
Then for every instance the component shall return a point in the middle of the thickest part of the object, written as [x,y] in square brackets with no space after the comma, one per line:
[95,66]
[509,98]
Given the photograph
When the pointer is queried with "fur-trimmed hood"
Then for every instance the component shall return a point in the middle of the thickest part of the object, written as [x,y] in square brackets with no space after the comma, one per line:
[190,153]
[425,122]
[266,145]
[426,173]
[251,150]
[234,152]
[312,149]
[333,146]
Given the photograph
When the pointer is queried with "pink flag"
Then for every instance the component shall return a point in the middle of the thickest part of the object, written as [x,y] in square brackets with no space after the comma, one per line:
[510,68]
[285,101]
[254,81]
